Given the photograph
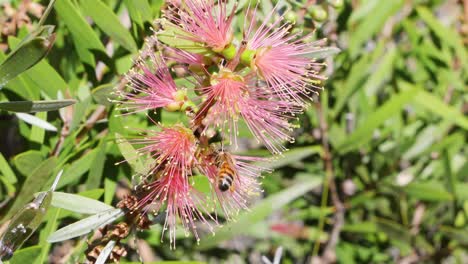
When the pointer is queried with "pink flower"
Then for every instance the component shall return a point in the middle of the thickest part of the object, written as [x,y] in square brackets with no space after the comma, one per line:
[230,98]
[171,148]
[172,194]
[151,87]
[245,185]
[282,59]
[184,57]
[205,22]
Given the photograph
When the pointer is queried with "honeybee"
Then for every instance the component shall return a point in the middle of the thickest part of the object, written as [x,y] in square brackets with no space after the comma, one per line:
[227,172]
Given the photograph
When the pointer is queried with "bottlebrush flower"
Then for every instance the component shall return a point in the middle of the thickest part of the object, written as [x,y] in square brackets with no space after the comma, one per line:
[184,57]
[171,148]
[205,22]
[245,185]
[281,58]
[171,193]
[151,87]
[230,97]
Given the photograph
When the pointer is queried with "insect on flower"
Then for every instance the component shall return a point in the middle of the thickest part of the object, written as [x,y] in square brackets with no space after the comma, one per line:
[227,173]
[261,81]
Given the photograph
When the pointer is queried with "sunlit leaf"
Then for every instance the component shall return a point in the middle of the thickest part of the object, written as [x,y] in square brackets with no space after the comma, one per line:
[85,226]
[30,51]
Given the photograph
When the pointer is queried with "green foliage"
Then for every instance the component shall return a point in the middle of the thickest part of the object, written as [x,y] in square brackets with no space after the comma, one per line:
[393,115]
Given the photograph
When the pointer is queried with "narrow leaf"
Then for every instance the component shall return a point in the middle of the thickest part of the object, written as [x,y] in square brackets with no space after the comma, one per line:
[25,222]
[6,170]
[438,107]
[26,255]
[85,226]
[33,184]
[35,106]
[130,154]
[428,191]
[259,212]
[78,203]
[290,157]
[35,121]
[106,251]
[139,10]
[27,161]
[365,130]
[84,37]
[31,50]
[103,16]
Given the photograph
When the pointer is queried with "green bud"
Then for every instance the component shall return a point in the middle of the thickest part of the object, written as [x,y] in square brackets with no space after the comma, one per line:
[318,13]
[173,107]
[188,104]
[247,57]
[291,17]
[180,95]
[337,4]
[460,220]
[229,52]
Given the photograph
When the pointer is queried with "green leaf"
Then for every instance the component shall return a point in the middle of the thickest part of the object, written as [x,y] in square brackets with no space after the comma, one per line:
[26,255]
[78,203]
[428,191]
[109,23]
[52,223]
[363,227]
[97,167]
[110,186]
[130,154]
[365,130]
[30,51]
[103,94]
[35,106]
[139,10]
[27,161]
[259,212]
[372,23]
[33,183]
[77,169]
[290,157]
[36,121]
[38,130]
[25,222]
[42,76]
[20,86]
[437,106]
[6,170]
[84,38]
[85,226]
[447,34]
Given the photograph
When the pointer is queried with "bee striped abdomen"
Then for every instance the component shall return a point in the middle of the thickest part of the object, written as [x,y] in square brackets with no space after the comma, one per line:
[225,177]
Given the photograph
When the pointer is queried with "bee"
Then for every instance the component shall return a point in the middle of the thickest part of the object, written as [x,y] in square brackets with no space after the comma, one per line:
[227,172]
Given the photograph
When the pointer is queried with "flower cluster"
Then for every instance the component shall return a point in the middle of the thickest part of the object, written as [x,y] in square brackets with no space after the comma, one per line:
[262,79]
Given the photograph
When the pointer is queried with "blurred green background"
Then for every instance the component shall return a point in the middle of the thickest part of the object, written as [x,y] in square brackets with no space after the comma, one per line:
[378,172]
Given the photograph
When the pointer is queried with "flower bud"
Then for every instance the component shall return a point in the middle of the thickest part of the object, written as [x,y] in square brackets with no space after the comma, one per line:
[291,17]
[180,96]
[318,13]
[337,4]
[229,52]
[247,57]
